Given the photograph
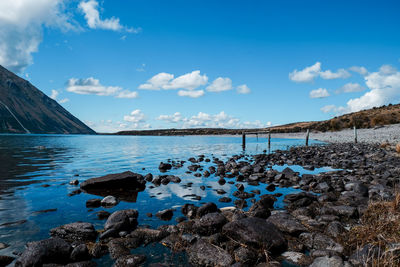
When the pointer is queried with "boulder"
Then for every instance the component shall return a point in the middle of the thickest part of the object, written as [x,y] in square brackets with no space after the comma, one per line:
[115,181]
[206,208]
[287,223]
[122,220]
[77,231]
[163,167]
[210,223]
[257,233]
[109,201]
[53,250]
[202,253]
[80,253]
[165,215]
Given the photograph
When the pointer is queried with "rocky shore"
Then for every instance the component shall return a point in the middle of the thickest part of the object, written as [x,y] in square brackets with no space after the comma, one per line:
[320,226]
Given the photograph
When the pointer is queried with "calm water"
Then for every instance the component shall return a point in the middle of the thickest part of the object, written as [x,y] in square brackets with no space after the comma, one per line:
[27,162]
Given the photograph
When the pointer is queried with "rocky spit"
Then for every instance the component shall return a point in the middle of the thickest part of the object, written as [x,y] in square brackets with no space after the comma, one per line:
[308,232]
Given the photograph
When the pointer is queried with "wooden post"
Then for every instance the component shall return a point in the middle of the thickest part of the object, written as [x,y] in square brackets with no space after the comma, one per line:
[269,141]
[307,136]
[355,134]
[244,141]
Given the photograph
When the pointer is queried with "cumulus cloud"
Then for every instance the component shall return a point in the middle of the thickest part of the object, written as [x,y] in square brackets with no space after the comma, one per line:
[92,15]
[21,24]
[308,74]
[192,94]
[350,88]
[319,93]
[127,94]
[384,88]
[54,96]
[92,86]
[360,70]
[339,74]
[135,116]
[219,120]
[220,84]
[188,81]
[243,89]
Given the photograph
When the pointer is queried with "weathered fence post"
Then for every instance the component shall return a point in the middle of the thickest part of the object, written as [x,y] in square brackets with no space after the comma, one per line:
[355,134]
[307,136]
[269,141]
[243,141]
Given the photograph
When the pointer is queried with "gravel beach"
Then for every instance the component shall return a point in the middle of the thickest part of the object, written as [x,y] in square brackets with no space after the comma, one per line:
[390,133]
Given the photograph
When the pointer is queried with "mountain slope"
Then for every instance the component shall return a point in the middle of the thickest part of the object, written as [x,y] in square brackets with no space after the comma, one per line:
[25,109]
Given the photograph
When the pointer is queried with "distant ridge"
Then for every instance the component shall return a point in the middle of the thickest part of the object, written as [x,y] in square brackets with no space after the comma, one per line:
[25,109]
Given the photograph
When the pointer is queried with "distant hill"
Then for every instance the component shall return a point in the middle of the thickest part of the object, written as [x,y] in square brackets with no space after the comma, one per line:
[369,118]
[25,109]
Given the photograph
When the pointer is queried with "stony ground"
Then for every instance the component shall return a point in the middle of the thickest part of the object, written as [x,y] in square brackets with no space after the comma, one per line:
[390,133]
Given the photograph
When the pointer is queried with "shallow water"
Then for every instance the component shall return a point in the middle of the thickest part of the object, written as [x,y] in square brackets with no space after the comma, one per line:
[30,162]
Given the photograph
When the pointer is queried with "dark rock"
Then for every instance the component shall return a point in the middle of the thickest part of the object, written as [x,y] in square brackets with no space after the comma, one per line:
[115,181]
[240,203]
[165,215]
[74,182]
[78,231]
[122,220]
[245,256]
[164,167]
[287,223]
[5,260]
[147,236]
[98,250]
[206,208]
[202,253]
[335,229]
[129,260]
[257,233]
[319,241]
[93,203]
[240,187]
[189,210]
[225,199]
[53,250]
[80,253]
[210,223]
[117,248]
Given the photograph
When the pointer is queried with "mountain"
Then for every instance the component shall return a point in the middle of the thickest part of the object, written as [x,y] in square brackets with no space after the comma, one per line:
[25,109]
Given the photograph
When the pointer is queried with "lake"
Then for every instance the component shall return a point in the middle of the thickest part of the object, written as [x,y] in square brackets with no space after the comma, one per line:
[35,171]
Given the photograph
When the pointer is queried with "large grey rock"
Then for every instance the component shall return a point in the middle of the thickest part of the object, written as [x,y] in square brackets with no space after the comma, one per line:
[53,250]
[202,253]
[256,232]
[287,223]
[122,220]
[210,223]
[80,253]
[113,181]
[117,248]
[77,231]
[109,201]
[319,241]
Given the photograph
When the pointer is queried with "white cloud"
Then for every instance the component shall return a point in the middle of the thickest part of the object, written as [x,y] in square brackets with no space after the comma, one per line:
[127,94]
[192,94]
[306,75]
[54,96]
[21,24]
[243,89]
[360,70]
[157,82]
[93,20]
[350,88]
[135,116]
[384,88]
[319,93]
[187,82]
[202,119]
[328,108]
[220,84]
[329,75]
[174,118]
[90,86]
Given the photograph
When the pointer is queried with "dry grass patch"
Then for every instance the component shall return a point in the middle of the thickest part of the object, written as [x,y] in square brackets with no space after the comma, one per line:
[380,228]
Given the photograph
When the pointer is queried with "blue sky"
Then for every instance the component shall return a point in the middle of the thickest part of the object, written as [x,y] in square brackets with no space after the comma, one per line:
[121,65]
